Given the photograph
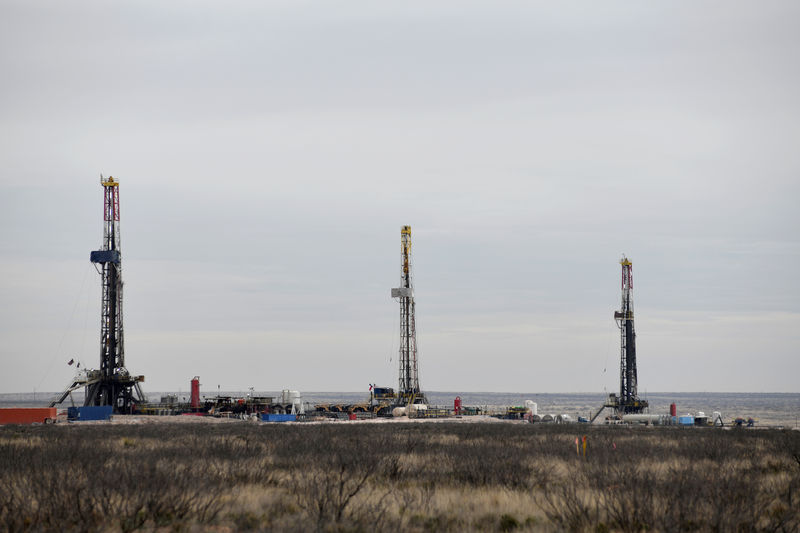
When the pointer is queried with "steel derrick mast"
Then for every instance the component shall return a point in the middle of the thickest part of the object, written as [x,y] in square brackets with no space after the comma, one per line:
[628,401]
[112,335]
[409,390]
[112,384]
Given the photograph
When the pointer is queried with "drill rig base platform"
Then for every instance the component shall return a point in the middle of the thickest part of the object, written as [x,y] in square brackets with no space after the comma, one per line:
[121,384]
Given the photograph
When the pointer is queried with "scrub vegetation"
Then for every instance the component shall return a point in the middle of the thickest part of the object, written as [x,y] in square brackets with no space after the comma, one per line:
[401,477]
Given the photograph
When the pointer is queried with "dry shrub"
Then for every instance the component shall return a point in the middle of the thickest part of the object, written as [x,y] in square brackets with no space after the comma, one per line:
[381,477]
[332,474]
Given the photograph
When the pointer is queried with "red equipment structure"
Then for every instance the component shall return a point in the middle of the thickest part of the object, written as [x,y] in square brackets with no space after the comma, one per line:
[28,415]
[195,392]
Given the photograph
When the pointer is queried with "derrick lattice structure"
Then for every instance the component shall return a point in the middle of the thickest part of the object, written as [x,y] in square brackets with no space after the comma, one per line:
[112,384]
[409,390]
[628,400]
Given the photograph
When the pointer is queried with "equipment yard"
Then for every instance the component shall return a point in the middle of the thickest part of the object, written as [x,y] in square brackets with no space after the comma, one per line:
[111,392]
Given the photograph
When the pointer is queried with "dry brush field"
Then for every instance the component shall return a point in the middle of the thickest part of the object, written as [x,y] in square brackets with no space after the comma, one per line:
[400,477]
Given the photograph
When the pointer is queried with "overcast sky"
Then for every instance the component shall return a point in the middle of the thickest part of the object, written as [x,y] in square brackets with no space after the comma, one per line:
[269,152]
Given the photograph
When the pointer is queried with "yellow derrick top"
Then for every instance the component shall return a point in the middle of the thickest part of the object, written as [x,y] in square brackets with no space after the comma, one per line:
[624,261]
[406,244]
[110,182]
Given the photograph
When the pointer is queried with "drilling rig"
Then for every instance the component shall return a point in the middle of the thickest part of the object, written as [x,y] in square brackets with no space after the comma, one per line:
[408,391]
[628,401]
[112,384]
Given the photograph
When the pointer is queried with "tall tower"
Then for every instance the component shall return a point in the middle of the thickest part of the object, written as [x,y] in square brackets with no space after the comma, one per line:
[628,401]
[112,384]
[408,391]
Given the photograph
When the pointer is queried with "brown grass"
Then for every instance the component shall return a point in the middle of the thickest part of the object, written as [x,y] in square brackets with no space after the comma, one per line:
[399,477]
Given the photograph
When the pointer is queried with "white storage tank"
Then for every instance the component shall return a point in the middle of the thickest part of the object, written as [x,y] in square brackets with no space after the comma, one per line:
[643,419]
[533,409]
[414,408]
[289,396]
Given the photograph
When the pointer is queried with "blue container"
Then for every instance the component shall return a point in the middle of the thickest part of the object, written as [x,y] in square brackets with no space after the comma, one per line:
[94,412]
[686,420]
[278,418]
[72,413]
